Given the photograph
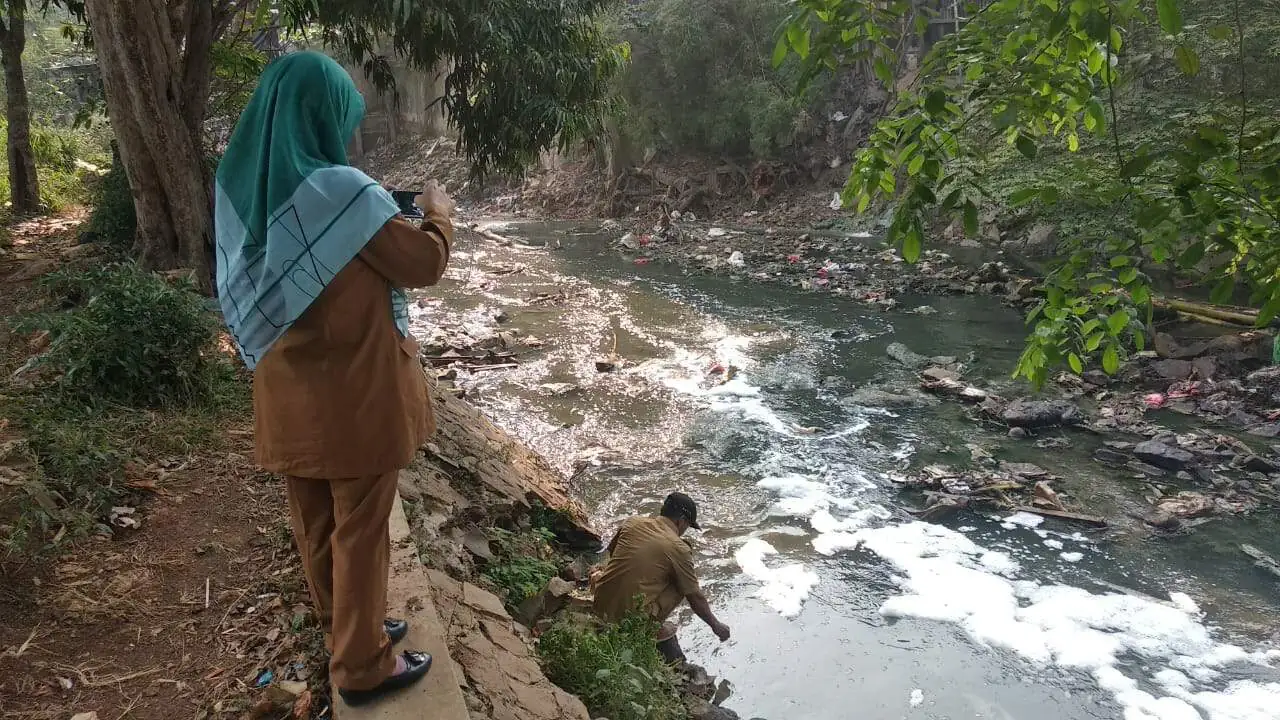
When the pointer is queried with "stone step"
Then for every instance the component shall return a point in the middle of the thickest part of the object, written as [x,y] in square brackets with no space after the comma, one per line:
[439,695]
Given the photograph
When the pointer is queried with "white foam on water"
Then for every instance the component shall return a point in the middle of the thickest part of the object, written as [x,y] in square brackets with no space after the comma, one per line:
[1054,544]
[1072,557]
[947,577]
[784,588]
[801,497]
[1025,519]
[917,697]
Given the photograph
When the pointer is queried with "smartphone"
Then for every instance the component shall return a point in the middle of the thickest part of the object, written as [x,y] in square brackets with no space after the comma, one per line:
[404,198]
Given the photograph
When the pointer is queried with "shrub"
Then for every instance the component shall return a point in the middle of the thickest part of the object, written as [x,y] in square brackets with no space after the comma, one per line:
[616,669]
[128,337]
[702,79]
[523,565]
[114,220]
[56,149]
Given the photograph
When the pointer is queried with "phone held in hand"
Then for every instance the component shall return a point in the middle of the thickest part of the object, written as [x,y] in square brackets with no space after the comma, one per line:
[404,198]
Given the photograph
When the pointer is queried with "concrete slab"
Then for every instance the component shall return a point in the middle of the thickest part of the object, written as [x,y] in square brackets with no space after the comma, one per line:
[439,695]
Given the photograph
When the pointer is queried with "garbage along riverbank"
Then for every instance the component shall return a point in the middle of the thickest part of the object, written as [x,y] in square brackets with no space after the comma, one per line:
[796,419]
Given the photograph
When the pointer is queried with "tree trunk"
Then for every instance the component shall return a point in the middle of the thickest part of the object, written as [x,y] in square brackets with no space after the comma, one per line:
[156,69]
[24,183]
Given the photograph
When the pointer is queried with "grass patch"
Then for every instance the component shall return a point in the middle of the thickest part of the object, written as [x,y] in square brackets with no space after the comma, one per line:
[119,335]
[524,562]
[130,376]
[64,183]
[615,669]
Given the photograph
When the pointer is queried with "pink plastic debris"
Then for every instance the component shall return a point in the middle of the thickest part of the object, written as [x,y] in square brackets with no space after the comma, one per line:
[1154,400]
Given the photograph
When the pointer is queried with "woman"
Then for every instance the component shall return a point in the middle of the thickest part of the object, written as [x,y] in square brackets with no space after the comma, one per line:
[312,256]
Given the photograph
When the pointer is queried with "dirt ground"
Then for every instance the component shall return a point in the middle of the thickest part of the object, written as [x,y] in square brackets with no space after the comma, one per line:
[181,617]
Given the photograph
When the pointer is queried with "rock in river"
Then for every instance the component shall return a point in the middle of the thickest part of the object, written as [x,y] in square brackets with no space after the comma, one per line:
[1041,413]
[906,356]
[1163,455]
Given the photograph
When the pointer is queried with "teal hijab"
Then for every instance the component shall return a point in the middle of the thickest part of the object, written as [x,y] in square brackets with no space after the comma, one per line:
[289,211]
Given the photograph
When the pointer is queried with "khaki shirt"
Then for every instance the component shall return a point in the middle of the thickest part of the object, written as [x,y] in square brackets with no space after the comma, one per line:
[341,394]
[648,559]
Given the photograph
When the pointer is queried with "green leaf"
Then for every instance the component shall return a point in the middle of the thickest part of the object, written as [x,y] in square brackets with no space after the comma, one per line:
[1192,255]
[798,37]
[1136,165]
[1128,275]
[1094,341]
[1026,146]
[1049,195]
[1223,291]
[1170,16]
[911,245]
[883,72]
[970,218]
[1073,142]
[935,102]
[1187,60]
[1141,296]
[780,52]
[1120,261]
[1095,62]
[1117,322]
[1076,365]
[1023,196]
[1095,116]
[916,163]
[1110,360]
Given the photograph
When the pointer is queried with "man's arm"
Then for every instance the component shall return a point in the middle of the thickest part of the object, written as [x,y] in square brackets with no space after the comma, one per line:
[687,584]
[702,608]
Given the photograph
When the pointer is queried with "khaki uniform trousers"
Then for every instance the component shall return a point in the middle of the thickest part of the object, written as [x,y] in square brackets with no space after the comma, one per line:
[342,531]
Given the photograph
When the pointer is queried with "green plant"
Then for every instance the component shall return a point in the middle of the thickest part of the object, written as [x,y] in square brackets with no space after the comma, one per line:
[700,79]
[524,563]
[82,452]
[121,335]
[114,220]
[616,668]
[1201,195]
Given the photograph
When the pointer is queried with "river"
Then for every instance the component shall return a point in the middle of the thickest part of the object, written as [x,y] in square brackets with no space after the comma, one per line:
[841,605]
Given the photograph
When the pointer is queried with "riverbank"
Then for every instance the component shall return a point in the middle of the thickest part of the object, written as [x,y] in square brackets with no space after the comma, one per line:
[788,416]
[150,570]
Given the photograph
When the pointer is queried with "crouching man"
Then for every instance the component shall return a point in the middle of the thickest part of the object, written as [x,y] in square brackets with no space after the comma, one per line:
[648,559]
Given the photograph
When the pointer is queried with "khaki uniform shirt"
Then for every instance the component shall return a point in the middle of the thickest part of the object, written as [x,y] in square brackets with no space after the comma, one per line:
[648,559]
[341,394]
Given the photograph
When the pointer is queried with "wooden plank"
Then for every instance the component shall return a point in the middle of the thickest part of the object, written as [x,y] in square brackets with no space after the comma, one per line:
[1093,520]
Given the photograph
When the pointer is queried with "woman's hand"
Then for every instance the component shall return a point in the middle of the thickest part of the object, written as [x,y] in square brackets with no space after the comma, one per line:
[434,198]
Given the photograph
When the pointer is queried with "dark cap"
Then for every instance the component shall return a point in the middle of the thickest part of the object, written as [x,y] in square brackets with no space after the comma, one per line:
[679,506]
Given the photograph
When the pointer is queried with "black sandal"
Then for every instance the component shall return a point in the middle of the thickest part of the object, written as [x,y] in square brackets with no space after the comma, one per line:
[417,665]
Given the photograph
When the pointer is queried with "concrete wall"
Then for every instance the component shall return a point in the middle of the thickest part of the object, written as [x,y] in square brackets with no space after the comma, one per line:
[417,114]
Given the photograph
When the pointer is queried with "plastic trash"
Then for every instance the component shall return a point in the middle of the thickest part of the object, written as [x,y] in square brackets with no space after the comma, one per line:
[736,259]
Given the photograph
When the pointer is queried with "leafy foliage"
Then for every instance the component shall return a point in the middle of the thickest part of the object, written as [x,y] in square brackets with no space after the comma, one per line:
[1037,74]
[113,221]
[124,336]
[701,79]
[546,64]
[523,565]
[80,438]
[616,669]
